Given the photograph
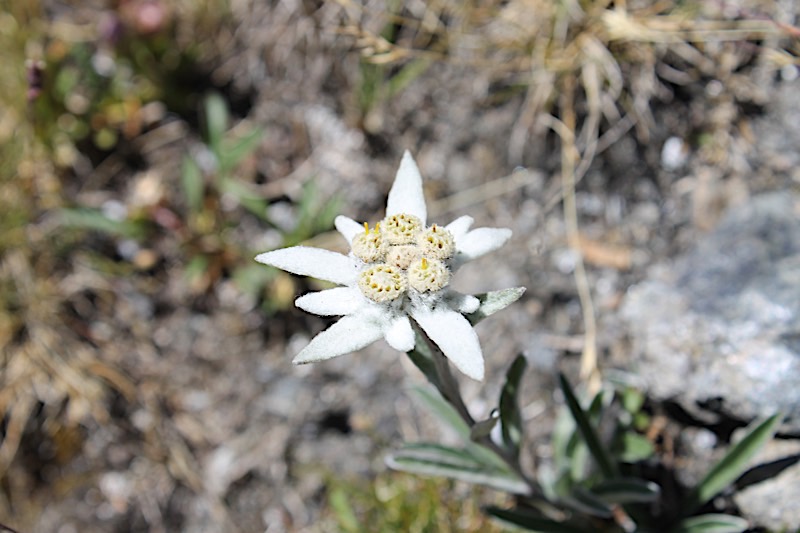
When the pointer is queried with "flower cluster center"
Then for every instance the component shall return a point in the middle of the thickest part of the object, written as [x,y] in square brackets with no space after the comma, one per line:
[401,254]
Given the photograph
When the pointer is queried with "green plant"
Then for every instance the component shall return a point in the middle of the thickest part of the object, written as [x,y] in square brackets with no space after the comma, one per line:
[399,502]
[212,174]
[590,490]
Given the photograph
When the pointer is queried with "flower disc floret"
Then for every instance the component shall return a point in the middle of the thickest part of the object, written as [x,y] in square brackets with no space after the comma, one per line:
[401,228]
[369,246]
[428,275]
[402,255]
[436,242]
[382,283]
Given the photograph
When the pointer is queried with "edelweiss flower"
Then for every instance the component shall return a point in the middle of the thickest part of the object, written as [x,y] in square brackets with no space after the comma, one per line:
[400,268]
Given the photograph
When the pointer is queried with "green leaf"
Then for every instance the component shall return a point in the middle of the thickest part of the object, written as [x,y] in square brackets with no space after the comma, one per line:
[564,438]
[250,201]
[252,278]
[635,447]
[510,418]
[314,216]
[627,490]
[345,516]
[590,437]
[94,219]
[641,421]
[408,74]
[733,465]
[585,502]
[436,453]
[438,406]
[192,182]
[632,400]
[196,268]
[216,111]
[492,302]
[437,460]
[484,427]
[595,410]
[327,213]
[370,78]
[578,454]
[712,523]
[486,456]
[570,454]
[233,152]
[532,520]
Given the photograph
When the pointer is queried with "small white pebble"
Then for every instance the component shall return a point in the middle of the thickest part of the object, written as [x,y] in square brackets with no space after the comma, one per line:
[789,73]
[128,249]
[114,209]
[674,154]
[714,88]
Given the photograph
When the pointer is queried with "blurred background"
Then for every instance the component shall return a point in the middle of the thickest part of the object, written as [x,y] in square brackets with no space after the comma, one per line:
[151,148]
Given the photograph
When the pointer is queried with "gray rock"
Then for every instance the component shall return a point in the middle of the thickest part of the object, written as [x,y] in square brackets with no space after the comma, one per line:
[769,503]
[718,330]
[778,134]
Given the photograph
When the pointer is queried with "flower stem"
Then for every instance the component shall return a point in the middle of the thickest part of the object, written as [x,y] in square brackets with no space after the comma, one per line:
[448,388]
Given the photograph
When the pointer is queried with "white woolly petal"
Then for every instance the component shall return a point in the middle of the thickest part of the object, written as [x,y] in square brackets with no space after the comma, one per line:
[349,334]
[463,303]
[338,301]
[460,226]
[406,193]
[399,334]
[454,335]
[313,262]
[481,241]
[348,227]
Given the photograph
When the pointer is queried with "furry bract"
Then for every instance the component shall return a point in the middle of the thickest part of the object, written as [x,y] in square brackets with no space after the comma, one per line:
[397,270]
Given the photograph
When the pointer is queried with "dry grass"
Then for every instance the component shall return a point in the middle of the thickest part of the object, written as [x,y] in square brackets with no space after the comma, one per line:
[47,372]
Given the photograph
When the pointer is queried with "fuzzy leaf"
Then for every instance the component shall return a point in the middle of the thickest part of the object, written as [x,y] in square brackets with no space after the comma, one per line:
[406,194]
[484,427]
[421,357]
[349,334]
[479,242]
[435,404]
[590,437]
[627,490]
[492,302]
[437,460]
[510,418]
[532,520]
[454,336]
[712,523]
[312,262]
[585,502]
[733,464]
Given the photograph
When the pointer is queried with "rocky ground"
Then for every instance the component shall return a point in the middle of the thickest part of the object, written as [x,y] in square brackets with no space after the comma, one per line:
[184,413]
